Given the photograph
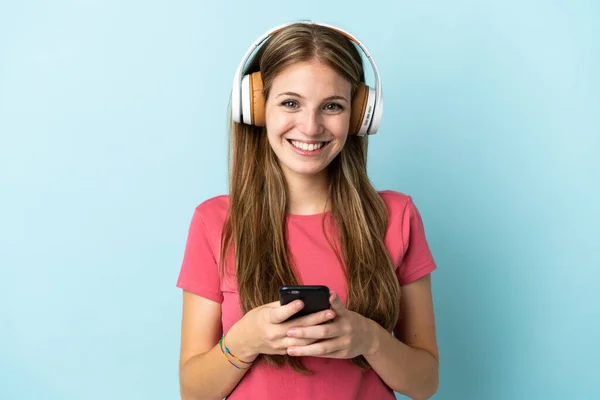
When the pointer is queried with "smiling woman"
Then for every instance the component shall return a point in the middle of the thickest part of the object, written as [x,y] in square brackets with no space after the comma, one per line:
[301,210]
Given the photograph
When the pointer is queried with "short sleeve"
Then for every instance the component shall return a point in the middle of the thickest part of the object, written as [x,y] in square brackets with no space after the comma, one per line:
[199,272]
[417,260]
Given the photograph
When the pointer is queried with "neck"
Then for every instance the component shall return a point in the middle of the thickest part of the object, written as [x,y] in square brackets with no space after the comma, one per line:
[307,195]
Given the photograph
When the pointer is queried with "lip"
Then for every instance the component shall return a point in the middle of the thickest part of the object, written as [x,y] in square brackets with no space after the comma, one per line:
[308,141]
[306,152]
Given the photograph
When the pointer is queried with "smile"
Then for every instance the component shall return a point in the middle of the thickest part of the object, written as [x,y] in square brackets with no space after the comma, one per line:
[308,146]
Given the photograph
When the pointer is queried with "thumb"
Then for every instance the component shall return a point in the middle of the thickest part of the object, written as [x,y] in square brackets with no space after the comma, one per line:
[336,303]
[272,304]
[280,314]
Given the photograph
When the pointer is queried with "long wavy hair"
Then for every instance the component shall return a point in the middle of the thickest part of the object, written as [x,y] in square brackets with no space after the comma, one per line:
[256,220]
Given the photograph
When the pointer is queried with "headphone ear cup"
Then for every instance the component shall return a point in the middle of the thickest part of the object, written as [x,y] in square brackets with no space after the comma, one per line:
[359,105]
[257,99]
[253,101]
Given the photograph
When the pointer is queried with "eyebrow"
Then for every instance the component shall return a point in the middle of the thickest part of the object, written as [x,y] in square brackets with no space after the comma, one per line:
[301,97]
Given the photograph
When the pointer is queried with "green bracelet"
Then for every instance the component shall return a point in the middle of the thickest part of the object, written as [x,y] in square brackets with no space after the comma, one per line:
[221,344]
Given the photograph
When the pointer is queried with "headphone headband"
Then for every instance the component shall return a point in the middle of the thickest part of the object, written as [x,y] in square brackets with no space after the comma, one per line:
[373,114]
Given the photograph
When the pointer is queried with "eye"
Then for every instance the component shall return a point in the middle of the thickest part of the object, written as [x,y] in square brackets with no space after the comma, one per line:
[289,104]
[334,107]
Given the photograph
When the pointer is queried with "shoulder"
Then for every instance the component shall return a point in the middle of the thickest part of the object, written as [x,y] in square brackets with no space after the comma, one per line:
[404,218]
[396,202]
[212,212]
[214,204]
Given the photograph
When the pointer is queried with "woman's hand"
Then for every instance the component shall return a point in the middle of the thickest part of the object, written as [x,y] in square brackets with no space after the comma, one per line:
[263,330]
[348,336]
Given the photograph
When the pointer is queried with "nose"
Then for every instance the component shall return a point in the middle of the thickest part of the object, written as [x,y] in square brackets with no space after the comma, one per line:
[309,122]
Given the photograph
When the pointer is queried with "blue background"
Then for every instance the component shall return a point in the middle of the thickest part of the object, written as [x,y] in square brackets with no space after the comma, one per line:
[113,128]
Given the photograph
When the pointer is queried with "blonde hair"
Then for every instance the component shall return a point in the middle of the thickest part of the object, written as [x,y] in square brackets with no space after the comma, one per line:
[255,225]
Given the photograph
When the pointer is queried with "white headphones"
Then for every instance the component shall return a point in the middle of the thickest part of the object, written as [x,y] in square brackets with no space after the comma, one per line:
[247,102]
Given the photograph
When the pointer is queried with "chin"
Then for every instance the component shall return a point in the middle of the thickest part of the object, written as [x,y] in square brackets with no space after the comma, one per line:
[307,171]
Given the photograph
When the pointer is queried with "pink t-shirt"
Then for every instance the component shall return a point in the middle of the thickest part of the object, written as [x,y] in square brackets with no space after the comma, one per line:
[316,264]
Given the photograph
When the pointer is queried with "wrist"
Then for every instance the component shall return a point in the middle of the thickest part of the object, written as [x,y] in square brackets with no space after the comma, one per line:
[375,334]
[238,346]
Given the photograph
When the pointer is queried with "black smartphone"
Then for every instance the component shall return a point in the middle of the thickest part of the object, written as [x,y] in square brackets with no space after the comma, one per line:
[315,298]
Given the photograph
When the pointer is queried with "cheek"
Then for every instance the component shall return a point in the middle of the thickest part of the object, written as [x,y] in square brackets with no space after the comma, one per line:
[340,129]
[278,123]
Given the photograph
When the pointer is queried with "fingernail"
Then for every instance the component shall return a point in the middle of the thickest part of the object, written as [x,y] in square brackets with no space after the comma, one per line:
[329,315]
[291,332]
[298,304]
[291,351]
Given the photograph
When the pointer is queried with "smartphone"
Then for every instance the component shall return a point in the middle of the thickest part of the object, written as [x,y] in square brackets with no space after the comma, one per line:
[315,298]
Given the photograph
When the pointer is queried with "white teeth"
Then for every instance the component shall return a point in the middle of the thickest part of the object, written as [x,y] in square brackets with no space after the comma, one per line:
[306,146]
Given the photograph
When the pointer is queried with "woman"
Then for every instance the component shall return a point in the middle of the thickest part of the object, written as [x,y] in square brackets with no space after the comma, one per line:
[302,210]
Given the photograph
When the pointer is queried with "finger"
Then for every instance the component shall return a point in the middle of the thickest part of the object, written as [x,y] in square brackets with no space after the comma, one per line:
[279,314]
[326,348]
[336,303]
[313,319]
[281,345]
[272,304]
[337,354]
[325,331]
[292,341]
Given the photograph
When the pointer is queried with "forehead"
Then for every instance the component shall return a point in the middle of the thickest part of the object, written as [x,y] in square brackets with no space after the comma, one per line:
[311,77]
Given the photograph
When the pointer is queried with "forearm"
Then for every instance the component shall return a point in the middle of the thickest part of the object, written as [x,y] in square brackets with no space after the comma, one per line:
[210,375]
[409,371]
